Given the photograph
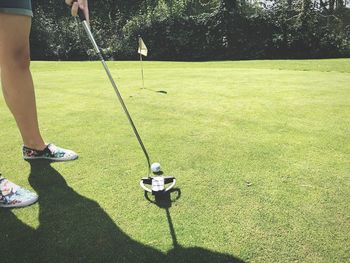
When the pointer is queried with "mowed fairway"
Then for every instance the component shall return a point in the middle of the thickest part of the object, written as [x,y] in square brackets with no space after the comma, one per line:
[260,149]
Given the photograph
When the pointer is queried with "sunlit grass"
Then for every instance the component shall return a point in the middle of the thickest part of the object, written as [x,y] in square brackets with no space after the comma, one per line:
[260,149]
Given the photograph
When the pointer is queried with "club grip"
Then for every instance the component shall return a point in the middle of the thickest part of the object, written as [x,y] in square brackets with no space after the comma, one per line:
[81,15]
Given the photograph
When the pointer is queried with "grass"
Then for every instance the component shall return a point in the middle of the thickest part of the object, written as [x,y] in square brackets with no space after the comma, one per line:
[260,149]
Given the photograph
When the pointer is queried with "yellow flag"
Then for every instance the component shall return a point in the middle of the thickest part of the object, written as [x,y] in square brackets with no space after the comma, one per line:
[142,48]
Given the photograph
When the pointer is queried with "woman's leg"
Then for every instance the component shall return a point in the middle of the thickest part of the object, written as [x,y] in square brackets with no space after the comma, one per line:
[16,79]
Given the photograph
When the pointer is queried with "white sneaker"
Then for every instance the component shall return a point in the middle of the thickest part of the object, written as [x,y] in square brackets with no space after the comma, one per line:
[12,195]
[51,152]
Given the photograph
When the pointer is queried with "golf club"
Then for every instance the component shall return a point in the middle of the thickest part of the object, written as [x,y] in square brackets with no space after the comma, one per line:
[158,182]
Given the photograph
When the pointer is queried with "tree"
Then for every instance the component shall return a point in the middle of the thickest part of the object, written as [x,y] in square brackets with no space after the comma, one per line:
[197,29]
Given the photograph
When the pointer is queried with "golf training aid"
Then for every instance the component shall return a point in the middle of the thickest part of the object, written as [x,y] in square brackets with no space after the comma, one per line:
[158,182]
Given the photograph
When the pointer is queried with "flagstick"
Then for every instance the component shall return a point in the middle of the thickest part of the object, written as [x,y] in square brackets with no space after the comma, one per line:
[143,82]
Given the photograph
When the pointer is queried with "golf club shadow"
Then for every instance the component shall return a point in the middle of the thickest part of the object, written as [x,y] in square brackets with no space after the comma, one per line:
[75,228]
[165,201]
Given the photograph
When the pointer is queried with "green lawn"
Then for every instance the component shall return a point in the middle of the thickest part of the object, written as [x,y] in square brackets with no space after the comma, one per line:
[260,149]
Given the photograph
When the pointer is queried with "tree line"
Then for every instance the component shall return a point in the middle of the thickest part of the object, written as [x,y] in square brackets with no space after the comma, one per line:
[196,29]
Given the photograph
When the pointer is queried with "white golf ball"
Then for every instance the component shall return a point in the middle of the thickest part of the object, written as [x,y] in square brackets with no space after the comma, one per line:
[155,167]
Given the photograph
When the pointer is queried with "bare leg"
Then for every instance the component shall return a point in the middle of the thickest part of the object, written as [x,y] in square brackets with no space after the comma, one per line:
[16,79]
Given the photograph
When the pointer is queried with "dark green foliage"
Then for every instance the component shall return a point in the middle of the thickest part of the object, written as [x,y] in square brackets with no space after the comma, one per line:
[195,30]
[53,39]
[306,32]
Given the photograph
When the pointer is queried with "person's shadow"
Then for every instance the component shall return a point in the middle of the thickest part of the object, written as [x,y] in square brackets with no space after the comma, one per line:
[76,229]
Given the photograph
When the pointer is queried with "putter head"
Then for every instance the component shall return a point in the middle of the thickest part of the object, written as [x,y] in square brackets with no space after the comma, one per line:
[158,184]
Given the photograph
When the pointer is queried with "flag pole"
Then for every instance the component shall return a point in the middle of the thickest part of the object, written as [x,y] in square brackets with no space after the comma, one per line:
[143,82]
[141,62]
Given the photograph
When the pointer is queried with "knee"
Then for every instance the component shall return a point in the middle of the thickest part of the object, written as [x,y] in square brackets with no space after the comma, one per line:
[15,58]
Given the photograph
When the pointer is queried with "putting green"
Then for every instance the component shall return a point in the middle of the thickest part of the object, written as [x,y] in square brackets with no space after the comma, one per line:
[260,150]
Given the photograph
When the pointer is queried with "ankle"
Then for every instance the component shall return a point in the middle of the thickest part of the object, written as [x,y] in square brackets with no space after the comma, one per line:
[36,146]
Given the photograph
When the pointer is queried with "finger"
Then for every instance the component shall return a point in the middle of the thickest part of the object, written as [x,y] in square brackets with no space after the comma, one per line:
[86,13]
[83,5]
[69,2]
[75,8]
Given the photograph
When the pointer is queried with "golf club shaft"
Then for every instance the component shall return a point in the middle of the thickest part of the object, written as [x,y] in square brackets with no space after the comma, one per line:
[88,32]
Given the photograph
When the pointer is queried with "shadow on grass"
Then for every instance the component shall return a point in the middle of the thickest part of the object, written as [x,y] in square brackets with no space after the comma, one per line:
[76,229]
[165,201]
[157,91]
